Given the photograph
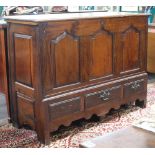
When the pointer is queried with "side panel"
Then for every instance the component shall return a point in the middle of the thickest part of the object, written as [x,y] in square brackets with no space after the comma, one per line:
[23,59]
[21,68]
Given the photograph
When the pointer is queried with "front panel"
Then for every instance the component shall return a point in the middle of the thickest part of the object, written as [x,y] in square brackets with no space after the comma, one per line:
[65,58]
[101,53]
[130,50]
[78,53]
[82,52]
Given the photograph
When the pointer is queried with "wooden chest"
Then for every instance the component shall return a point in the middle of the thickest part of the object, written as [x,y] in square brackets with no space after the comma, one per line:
[70,66]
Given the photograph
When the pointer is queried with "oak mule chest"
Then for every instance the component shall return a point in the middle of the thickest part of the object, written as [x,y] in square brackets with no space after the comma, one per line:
[64,67]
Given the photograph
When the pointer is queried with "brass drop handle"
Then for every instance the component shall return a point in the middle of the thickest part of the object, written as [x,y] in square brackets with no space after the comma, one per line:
[104,95]
[135,85]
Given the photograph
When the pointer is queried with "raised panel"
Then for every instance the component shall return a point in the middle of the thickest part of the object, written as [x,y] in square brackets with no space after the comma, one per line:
[23,58]
[25,111]
[101,55]
[131,49]
[65,52]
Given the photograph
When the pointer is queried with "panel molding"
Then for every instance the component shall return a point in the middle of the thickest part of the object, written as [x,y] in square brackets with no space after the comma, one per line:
[24,36]
[25,90]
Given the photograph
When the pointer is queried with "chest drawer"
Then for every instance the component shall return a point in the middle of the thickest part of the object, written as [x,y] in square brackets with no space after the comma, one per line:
[103,96]
[64,108]
[134,87]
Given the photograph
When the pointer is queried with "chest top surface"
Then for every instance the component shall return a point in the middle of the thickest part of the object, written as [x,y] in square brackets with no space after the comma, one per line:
[69,16]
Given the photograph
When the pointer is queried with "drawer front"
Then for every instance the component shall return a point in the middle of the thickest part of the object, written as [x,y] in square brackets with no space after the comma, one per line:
[134,87]
[103,96]
[64,108]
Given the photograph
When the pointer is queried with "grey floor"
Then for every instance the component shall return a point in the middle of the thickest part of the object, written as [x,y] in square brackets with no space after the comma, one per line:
[3,108]
[151,78]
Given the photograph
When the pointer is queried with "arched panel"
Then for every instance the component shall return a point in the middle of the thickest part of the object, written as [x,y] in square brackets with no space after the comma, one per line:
[101,55]
[131,49]
[65,49]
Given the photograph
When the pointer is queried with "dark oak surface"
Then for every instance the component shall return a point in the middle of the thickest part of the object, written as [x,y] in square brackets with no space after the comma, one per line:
[130,137]
[3,66]
[64,70]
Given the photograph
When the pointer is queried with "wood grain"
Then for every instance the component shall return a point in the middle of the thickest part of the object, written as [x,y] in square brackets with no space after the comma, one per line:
[4,87]
[64,70]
